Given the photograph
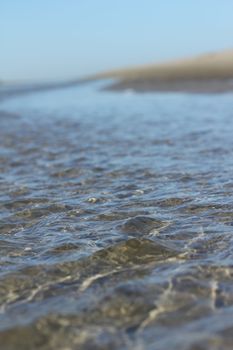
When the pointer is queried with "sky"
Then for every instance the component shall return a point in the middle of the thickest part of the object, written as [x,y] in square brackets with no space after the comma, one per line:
[67,39]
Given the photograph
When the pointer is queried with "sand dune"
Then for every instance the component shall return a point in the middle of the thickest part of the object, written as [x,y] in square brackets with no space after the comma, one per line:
[207,73]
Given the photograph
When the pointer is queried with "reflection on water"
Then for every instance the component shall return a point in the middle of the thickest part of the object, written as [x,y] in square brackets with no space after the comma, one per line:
[116,221]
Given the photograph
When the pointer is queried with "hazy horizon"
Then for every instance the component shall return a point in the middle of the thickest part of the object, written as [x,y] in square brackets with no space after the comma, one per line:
[56,40]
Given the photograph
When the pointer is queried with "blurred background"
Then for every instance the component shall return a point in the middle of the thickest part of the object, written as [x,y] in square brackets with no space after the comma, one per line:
[51,40]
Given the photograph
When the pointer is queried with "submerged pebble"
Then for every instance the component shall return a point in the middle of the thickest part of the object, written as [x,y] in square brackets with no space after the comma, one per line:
[143,225]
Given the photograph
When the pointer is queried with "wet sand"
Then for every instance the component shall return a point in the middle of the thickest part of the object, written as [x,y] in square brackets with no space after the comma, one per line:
[189,86]
[211,73]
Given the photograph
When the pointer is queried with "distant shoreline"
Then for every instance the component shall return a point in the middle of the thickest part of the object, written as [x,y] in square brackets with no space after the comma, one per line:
[211,86]
[211,73]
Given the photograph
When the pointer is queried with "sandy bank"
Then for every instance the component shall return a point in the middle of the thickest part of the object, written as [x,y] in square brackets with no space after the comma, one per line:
[211,73]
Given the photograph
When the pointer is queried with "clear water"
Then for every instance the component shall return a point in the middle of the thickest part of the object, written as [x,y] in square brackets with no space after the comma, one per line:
[116,220]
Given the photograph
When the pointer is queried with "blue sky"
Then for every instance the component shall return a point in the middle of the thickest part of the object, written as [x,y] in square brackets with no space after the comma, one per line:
[59,39]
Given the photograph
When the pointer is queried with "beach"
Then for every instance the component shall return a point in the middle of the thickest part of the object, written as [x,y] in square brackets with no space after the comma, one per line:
[209,73]
[116,163]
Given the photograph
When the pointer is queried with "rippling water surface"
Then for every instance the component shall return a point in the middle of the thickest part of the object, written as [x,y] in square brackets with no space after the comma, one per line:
[116,221]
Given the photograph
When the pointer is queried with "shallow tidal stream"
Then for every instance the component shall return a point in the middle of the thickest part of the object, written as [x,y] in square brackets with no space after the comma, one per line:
[116,221]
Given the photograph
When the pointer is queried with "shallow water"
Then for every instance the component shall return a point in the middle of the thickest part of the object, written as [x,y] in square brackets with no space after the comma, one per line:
[116,221]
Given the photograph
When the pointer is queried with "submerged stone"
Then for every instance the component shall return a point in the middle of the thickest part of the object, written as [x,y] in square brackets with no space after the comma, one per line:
[143,225]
